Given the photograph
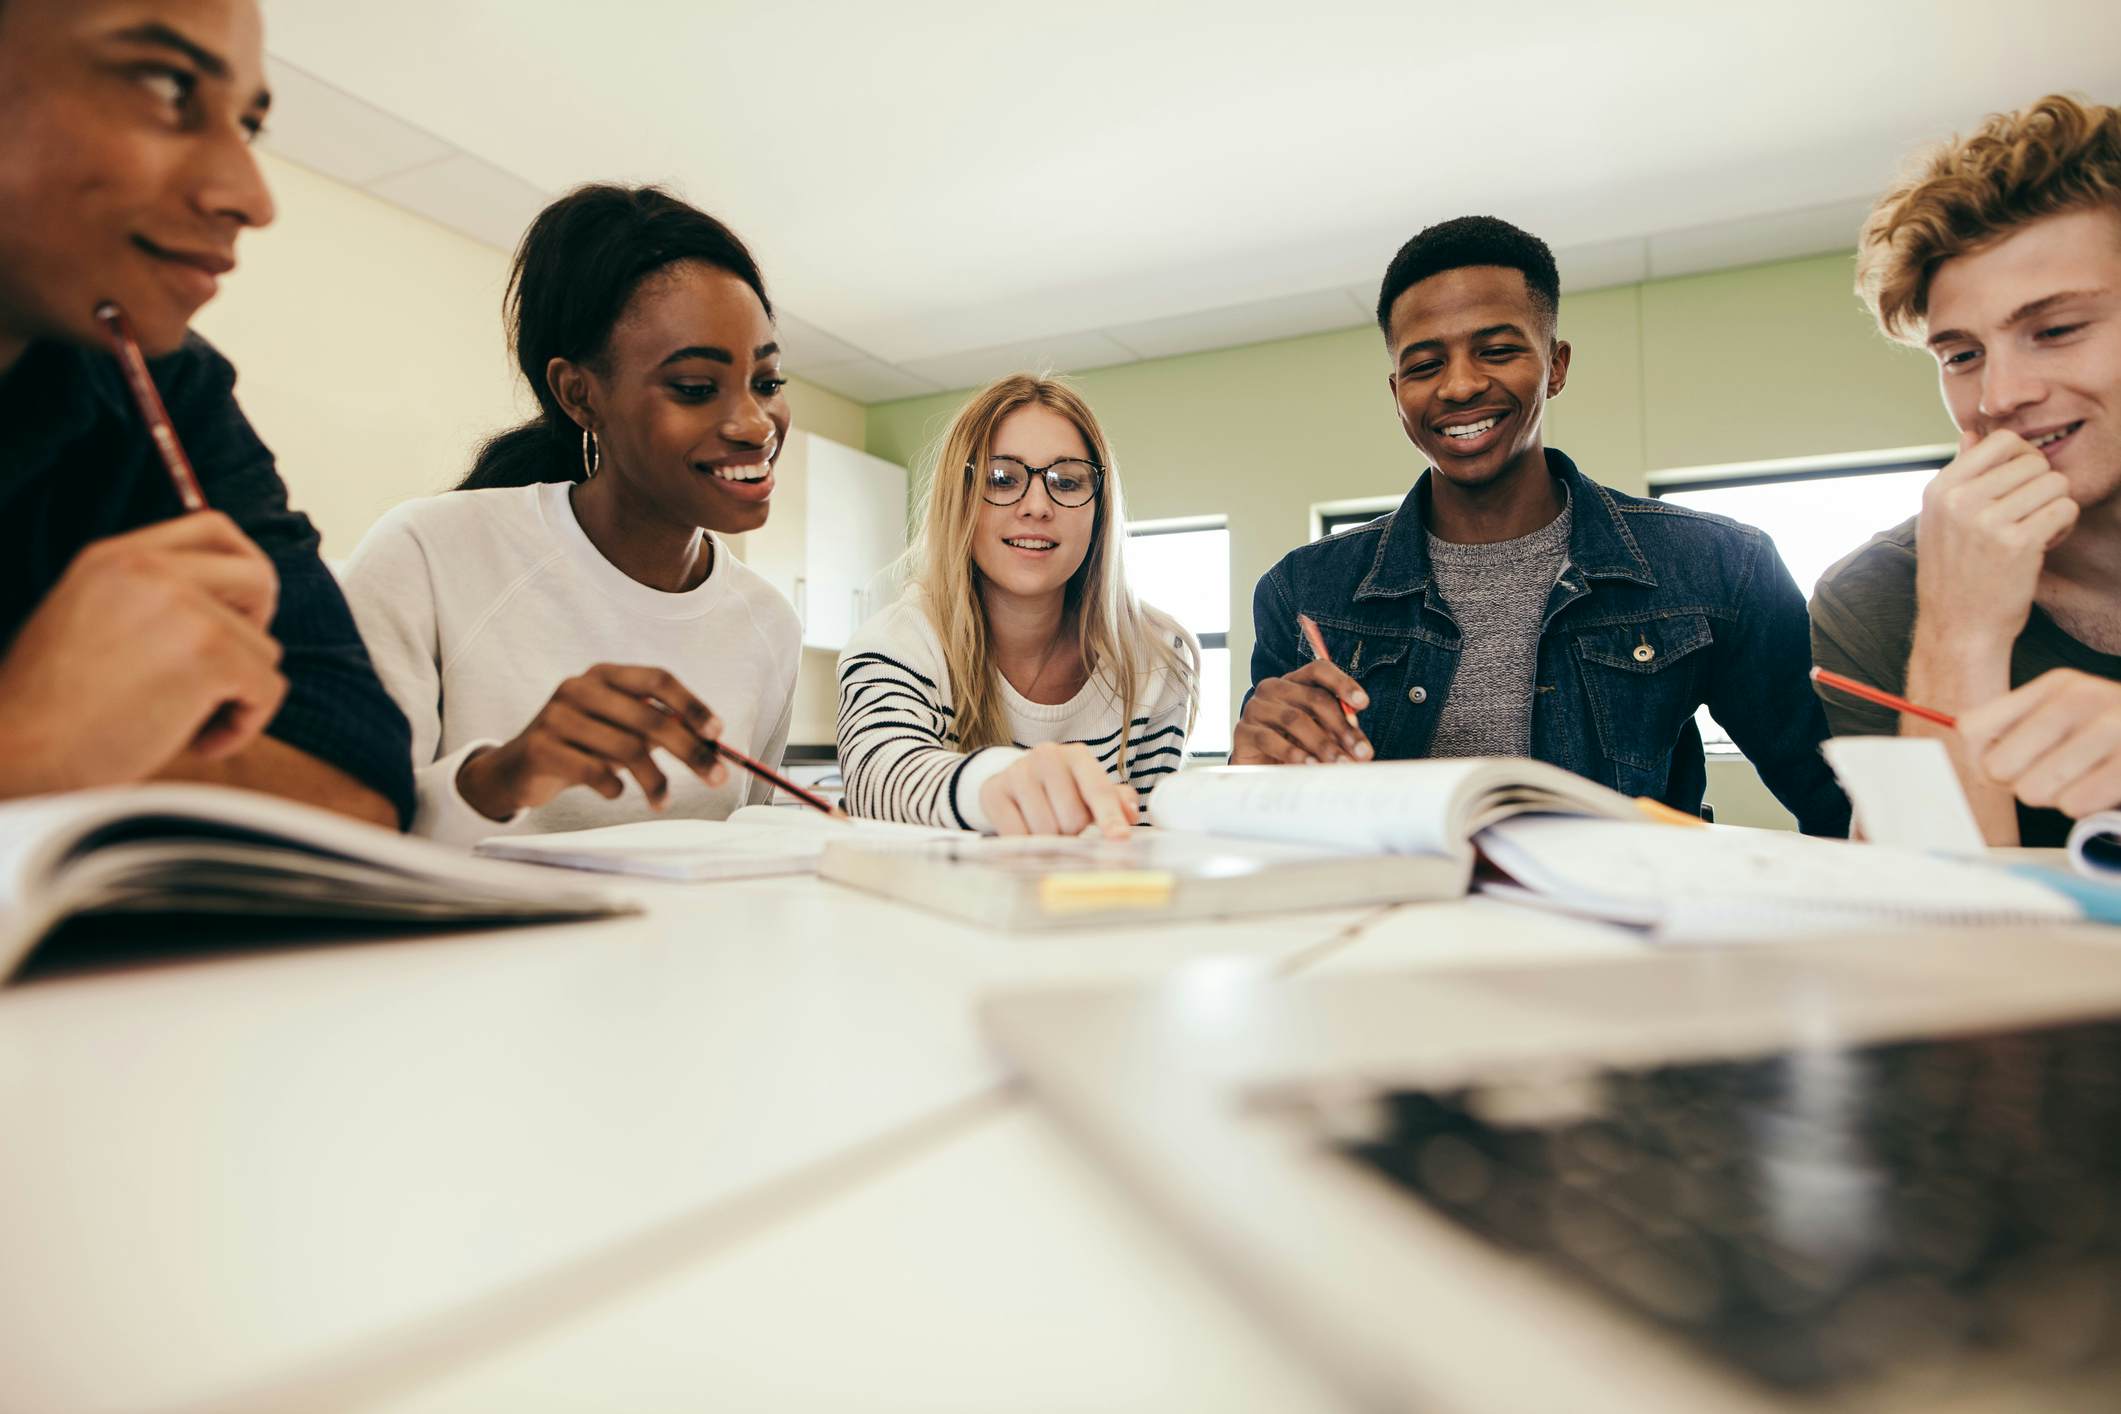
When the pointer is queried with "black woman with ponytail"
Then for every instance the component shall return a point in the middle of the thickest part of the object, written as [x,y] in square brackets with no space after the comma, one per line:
[562,618]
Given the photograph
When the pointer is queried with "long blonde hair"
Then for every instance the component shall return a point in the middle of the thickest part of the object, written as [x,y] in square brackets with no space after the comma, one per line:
[1115,637]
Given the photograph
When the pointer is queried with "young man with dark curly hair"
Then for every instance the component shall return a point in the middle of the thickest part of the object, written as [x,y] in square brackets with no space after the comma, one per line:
[1512,606]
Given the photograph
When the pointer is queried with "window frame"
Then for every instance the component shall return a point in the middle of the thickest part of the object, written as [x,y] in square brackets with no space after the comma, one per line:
[1840,466]
[1185,525]
[1326,516]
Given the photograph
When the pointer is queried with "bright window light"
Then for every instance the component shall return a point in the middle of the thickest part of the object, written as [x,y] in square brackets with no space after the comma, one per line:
[1814,519]
[1184,570]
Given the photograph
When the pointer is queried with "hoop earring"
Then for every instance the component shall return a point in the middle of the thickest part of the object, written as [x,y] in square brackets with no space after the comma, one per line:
[592,455]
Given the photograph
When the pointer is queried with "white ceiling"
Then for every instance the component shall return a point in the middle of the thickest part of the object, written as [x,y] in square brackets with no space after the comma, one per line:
[942,190]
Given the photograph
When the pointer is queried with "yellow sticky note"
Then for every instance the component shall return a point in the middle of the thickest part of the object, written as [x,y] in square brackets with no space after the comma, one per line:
[1094,890]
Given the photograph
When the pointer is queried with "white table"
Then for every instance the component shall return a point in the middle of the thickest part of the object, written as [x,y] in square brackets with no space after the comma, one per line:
[743,1152]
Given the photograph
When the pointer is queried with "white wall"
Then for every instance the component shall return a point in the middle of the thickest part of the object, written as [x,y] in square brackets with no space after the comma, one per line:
[368,349]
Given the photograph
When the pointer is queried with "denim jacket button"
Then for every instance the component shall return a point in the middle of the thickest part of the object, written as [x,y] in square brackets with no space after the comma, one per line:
[1417,695]
[1643,652]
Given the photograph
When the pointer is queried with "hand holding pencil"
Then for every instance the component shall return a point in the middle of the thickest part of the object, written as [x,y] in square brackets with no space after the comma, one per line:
[598,727]
[2055,742]
[153,645]
[1305,716]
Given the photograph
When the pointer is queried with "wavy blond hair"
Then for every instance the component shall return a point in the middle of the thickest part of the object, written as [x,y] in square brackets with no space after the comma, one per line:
[1114,634]
[2057,156]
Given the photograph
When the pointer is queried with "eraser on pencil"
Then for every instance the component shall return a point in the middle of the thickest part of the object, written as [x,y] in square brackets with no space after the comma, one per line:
[1095,890]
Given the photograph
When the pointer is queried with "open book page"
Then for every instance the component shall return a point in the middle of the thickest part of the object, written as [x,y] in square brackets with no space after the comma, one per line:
[786,817]
[40,837]
[1381,807]
[1704,885]
[214,849]
[1372,809]
[756,842]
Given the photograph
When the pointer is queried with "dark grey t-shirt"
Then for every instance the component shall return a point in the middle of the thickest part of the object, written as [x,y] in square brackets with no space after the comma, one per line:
[1497,594]
[1863,626]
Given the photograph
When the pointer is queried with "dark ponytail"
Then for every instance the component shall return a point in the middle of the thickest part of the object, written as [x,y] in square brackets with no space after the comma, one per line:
[577,267]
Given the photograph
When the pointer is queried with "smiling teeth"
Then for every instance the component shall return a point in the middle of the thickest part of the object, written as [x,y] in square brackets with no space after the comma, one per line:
[1032,544]
[1471,429]
[2057,435]
[757,471]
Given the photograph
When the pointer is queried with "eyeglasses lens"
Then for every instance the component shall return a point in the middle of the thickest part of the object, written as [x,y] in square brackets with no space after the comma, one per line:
[1069,483]
[1006,481]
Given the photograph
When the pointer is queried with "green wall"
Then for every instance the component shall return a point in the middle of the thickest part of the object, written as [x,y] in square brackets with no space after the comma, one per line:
[1764,362]
[814,409]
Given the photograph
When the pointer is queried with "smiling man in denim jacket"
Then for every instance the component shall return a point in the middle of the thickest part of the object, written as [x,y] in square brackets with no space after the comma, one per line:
[1511,606]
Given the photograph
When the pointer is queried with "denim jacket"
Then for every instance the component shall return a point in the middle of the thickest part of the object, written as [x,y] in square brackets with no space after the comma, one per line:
[1658,611]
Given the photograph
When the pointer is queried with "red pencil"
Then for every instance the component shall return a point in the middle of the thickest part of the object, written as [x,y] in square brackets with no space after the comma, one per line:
[159,428]
[1881,697]
[1318,650]
[815,802]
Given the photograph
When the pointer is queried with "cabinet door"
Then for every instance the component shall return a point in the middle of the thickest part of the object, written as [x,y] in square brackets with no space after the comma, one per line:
[854,530]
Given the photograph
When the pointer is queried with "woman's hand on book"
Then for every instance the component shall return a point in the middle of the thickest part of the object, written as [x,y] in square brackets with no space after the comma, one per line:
[1296,720]
[151,644]
[1056,789]
[595,726]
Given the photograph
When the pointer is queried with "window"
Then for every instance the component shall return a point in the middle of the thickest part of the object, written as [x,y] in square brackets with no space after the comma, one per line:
[1337,517]
[1183,568]
[1814,511]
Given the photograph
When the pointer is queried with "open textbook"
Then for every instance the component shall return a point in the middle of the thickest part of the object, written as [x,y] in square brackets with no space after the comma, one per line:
[214,850]
[1237,839]
[1568,844]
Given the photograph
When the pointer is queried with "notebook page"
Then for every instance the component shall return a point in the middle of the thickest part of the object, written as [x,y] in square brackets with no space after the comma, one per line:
[1905,792]
[755,847]
[1397,807]
[1708,884]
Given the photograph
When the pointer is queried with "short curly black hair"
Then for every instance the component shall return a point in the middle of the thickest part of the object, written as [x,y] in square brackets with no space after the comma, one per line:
[1471,240]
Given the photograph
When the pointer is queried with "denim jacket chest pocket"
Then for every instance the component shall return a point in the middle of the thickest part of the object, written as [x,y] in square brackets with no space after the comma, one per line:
[1376,659]
[1642,681]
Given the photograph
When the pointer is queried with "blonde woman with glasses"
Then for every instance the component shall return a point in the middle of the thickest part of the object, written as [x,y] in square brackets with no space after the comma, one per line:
[1017,687]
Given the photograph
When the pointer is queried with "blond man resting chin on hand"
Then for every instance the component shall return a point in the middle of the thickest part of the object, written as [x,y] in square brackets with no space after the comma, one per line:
[2001,602]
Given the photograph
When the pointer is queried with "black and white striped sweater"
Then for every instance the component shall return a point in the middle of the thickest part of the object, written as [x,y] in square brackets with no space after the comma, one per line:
[898,745]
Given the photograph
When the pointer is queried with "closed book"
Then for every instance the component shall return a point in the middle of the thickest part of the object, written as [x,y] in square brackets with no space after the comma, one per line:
[1233,840]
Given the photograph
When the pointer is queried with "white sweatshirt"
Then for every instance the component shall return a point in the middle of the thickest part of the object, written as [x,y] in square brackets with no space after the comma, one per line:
[476,605]
[899,748]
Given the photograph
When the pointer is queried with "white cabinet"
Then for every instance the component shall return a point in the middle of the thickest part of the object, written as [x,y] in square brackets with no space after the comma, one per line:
[835,535]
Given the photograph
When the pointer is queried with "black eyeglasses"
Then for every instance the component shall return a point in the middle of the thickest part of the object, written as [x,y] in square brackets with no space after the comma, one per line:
[1071,481]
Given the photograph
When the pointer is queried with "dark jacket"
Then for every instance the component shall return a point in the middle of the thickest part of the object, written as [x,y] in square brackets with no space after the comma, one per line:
[76,466]
[1659,611]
